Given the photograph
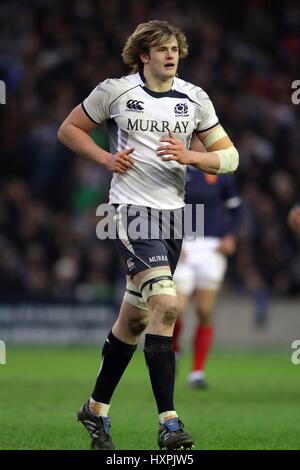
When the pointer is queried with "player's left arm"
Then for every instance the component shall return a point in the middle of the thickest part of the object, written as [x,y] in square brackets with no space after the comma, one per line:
[220,156]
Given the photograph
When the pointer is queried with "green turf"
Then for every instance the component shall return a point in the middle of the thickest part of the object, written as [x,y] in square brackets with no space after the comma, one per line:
[253,401]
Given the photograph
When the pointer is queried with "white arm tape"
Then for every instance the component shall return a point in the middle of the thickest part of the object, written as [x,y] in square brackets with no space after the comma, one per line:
[229,160]
[213,137]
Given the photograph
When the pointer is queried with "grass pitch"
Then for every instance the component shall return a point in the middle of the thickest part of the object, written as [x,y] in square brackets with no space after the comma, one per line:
[252,402]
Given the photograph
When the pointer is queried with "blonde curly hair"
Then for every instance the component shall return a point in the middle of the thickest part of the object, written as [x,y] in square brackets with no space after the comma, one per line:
[146,35]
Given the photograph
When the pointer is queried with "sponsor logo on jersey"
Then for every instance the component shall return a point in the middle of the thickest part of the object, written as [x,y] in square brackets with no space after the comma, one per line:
[134,105]
[154,259]
[150,125]
[181,109]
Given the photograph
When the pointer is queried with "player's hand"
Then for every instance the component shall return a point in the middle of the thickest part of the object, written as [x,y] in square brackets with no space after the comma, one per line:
[120,162]
[175,150]
[227,245]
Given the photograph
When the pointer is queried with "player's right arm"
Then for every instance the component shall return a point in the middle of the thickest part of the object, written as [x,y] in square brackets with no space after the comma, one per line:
[74,133]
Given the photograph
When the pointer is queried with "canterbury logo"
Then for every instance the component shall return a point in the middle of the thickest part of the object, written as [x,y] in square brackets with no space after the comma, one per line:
[135,105]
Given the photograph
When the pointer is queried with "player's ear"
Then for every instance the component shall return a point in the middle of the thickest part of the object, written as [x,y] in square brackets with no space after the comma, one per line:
[144,57]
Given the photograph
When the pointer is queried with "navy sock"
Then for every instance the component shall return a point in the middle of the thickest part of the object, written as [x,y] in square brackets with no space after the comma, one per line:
[116,356]
[160,359]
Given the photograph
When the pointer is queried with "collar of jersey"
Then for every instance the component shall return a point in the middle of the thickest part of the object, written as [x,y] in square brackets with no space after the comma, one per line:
[155,94]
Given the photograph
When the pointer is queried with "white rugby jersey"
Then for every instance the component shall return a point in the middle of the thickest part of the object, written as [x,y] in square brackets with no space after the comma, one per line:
[138,117]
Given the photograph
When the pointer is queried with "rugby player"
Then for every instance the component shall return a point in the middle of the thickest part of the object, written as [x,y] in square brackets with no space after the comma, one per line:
[151,115]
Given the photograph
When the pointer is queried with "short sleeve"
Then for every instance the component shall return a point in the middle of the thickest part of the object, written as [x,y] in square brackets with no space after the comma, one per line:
[97,104]
[208,117]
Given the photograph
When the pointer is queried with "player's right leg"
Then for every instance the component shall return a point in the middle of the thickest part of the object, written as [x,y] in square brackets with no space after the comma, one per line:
[116,354]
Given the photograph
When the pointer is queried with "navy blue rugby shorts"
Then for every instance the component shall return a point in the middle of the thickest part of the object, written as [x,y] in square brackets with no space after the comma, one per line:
[147,237]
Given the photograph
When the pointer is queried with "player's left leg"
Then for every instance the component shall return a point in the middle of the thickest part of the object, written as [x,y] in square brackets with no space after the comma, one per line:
[158,290]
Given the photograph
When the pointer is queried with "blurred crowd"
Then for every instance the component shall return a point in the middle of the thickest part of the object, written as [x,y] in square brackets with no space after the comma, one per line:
[52,54]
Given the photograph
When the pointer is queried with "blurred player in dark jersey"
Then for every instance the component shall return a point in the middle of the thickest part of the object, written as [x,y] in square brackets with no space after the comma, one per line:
[203,262]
